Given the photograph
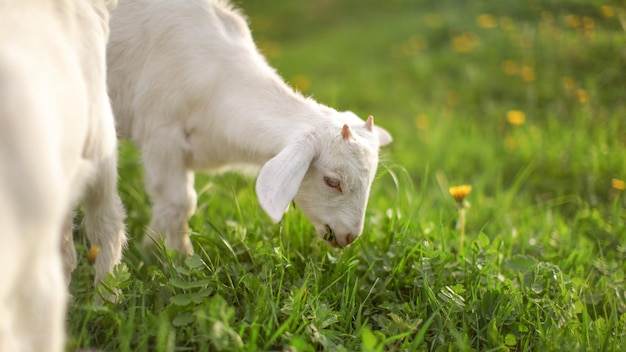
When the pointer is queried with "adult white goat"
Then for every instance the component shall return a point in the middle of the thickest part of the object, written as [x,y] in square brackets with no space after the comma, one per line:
[190,88]
[57,142]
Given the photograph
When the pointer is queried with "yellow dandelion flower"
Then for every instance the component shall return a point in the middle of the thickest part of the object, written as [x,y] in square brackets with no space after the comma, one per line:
[422,122]
[568,83]
[618,184]
[510,143]
[507,23]
[573,21]
[547,17]
[460,192]
[582,95]
[269,49]
[509,67]
[405,50]
[93,254]
[464,43]
[301,83]
[486,20]
[516,117]
[607,11]
[452,98]
[461,44]
[588,23]
[547,22]
[418,43]
[528,74]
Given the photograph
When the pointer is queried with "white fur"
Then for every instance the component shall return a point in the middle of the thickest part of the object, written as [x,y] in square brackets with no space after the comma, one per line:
[57,142]
[190,88]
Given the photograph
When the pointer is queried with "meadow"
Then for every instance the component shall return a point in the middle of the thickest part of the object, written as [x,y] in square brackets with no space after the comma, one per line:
[522,100]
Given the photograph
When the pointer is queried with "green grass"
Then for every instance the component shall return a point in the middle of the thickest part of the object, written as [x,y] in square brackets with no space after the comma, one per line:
[541,265]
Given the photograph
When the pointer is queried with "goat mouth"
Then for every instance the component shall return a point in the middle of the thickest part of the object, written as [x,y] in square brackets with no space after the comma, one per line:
[330,237]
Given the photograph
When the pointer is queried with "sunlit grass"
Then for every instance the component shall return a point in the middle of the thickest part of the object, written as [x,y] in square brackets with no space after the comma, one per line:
[522,100]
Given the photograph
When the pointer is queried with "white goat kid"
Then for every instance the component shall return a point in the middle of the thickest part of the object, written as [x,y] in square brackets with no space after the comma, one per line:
[57,142]
[190,88]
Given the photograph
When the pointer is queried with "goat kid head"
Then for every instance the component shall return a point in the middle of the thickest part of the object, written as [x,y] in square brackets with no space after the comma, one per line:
[328,173]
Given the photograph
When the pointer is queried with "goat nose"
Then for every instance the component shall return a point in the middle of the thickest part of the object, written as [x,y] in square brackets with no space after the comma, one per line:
[350,238]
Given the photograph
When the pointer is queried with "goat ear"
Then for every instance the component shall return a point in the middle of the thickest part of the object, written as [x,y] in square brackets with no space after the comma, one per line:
[384,137]
[369,124]
[345,132]
[280,178]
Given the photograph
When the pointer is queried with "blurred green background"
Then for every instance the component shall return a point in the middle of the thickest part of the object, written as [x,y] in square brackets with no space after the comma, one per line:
[443,76]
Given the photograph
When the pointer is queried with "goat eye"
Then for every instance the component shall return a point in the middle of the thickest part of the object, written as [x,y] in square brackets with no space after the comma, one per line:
[333,183]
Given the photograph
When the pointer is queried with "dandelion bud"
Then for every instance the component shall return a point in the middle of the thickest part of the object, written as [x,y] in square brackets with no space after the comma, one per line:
[93,254]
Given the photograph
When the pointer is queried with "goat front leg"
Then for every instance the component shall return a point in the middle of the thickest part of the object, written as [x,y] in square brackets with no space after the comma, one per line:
[104,217]
[33,295]
[171,188]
